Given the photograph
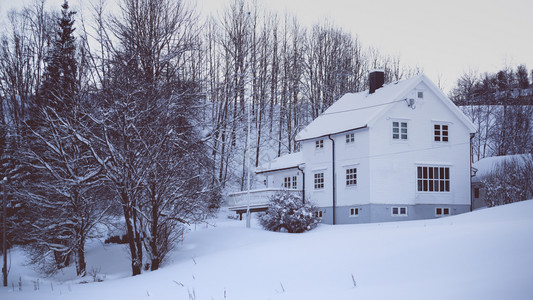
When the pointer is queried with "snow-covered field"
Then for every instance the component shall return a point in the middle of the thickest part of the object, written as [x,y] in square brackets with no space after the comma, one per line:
[487,254]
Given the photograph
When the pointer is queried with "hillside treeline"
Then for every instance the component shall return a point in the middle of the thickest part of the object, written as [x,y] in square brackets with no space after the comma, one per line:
[501,107]
[140,115]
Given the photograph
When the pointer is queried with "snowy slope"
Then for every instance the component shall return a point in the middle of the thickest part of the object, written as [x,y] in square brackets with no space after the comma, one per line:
[486,254]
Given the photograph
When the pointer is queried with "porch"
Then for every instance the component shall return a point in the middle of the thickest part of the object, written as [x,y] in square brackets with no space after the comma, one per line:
[259,199]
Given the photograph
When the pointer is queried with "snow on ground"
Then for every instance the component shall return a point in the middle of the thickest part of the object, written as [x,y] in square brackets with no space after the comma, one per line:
[486,254]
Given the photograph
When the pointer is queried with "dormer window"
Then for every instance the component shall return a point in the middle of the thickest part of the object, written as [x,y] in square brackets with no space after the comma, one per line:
[319,144]
[399,130]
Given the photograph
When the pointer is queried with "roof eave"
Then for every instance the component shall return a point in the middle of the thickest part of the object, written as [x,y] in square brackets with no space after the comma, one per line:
[330,134]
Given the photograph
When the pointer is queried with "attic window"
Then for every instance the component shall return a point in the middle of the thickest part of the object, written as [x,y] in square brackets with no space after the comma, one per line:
[420,95]
[350,138]
[319,144]
[399,130]
[440,133]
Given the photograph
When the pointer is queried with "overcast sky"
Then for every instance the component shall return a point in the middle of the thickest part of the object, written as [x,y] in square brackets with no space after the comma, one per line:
[445,38]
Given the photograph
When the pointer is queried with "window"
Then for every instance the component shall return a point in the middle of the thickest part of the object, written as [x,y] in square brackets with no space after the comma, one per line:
[440,133]
[354,212]
[399,130]
[319,144]
[351,177]
[350,138]
[290,182]
[319,181]
[318,214]
[476,193]
[420,95]
[398,211]
[433,179]
[442,211]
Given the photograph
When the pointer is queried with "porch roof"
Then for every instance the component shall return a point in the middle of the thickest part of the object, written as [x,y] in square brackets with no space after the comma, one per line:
[283,162]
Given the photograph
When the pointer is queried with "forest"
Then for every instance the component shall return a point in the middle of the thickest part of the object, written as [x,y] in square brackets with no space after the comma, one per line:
[140,115]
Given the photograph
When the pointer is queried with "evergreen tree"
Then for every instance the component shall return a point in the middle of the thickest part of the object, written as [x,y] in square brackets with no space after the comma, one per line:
[60,85]
[67,180]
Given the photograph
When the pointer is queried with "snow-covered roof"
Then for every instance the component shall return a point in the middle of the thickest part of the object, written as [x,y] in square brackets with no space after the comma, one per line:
[283,162]
[485,165]
[354,111]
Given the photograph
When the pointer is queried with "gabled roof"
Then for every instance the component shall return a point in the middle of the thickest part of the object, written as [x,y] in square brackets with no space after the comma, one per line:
[355,111]
[283,162]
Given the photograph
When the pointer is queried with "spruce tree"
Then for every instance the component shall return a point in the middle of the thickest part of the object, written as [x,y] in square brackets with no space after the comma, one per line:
[59,85]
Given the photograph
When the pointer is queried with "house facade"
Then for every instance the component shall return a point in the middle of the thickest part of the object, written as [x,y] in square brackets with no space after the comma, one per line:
[399,151]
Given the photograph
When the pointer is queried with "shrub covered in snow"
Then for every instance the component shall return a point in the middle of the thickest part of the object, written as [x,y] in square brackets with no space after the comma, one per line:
[287,211]
[509,181]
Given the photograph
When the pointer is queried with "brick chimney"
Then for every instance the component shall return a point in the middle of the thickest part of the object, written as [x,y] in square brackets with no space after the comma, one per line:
[376,79]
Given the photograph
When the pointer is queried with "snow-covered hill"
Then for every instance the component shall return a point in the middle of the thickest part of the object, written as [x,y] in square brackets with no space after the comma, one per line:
[486,254]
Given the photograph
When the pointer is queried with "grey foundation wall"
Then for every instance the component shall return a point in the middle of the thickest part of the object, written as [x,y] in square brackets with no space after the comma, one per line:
[374,213]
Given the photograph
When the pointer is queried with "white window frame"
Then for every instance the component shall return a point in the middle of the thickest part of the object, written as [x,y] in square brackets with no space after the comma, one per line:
[290,182]
[398,210]
[441,135]
[319,144]
[401,134]
[442,211]
[319,214]
[354,212]
[429,179]
[318,181]
[351,177]
[350,138]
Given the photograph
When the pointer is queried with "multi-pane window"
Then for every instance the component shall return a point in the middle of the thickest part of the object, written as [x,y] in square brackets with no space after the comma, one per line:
[318,214]
[354,212]
[399,211]
[350,138]
[440,132]
[319,144]
[399,130]
[351,177]
[290,182]
[319,181]
[442,211]
[433,179]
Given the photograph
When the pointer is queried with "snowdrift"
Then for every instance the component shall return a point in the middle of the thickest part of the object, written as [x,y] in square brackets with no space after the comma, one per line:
[486,254]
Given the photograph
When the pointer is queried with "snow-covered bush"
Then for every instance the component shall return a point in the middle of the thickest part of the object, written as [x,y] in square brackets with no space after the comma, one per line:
[510,181]
[287,211]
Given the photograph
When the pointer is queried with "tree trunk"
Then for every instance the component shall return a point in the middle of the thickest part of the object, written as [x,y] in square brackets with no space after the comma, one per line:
[81,265]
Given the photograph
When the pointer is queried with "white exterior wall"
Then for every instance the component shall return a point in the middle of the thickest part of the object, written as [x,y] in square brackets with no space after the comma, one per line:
[394,163]
[352,155]
[276,179]
[317,160]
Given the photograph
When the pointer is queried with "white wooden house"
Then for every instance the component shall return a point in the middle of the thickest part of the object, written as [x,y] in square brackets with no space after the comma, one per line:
[399,151]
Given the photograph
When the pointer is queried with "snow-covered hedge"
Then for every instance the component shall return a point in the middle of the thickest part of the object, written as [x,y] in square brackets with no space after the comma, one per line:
[287,211]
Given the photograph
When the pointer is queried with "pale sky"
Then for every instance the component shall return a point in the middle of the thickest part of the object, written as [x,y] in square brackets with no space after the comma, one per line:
[445,38]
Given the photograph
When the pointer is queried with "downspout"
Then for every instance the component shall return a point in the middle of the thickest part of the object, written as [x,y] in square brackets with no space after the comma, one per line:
[303,183]
[333,173]
[470,158]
